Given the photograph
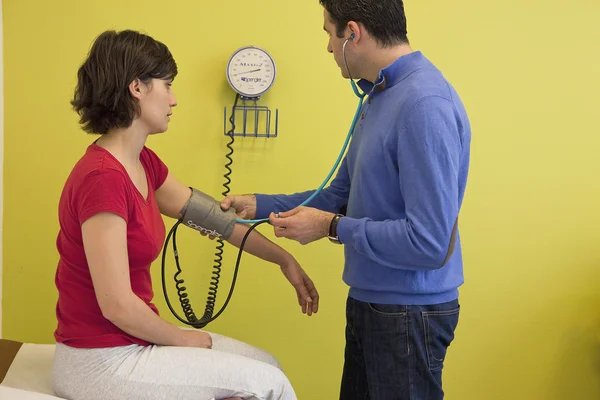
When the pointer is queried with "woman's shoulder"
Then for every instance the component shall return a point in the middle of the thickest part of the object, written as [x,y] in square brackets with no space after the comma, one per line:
[149,156]
[96,162]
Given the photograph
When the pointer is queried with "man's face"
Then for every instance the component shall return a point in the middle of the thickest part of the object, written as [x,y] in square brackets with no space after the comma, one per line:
[335,43]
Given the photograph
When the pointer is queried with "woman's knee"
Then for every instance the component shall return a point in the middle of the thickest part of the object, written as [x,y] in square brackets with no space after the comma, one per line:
[269,358]
[284,389]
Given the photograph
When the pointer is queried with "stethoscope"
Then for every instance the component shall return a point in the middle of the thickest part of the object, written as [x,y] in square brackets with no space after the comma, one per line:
[360,96]
[190,317]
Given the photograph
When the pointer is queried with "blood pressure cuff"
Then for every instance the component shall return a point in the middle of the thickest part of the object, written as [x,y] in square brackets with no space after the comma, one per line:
[204,214]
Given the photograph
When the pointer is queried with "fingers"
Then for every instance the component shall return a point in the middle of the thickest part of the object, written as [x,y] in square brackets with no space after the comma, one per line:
[302,291]
[295,226]
[211,237]
[303,297]
[237,204]
[314,295]
[278,225]
[286,214]
[226,203]
[207,341]
[274,219]
[280,232]
[308,297]
[307,307]
[285,227]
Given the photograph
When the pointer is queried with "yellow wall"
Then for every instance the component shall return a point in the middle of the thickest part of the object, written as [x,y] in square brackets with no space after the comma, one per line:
[528,73]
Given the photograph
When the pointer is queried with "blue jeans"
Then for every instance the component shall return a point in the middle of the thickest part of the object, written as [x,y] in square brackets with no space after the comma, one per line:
[396,352]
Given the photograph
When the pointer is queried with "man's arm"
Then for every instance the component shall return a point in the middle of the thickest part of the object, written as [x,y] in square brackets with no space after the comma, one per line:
[428,154]
[332,198]
[429,148]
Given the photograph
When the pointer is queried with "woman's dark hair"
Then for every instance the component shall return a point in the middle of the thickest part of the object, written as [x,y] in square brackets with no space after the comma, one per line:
[102,98]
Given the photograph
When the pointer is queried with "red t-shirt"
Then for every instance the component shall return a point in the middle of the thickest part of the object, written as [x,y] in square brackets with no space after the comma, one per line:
[100,183]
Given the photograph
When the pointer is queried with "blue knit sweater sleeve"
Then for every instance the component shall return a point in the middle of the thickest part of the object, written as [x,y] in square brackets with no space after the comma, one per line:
[331,198]
[427,148]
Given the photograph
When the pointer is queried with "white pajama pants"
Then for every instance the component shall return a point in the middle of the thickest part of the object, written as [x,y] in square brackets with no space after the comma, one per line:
[230,369]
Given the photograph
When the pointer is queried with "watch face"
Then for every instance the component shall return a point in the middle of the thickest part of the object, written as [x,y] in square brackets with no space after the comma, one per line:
[251,71]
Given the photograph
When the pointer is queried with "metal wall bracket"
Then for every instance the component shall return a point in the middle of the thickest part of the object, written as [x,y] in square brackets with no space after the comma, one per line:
[248,119]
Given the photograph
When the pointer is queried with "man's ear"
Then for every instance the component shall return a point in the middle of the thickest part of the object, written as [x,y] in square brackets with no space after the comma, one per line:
[354,28]
[135,88]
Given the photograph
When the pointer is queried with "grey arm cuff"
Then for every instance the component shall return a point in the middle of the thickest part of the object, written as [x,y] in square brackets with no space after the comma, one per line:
[204,214]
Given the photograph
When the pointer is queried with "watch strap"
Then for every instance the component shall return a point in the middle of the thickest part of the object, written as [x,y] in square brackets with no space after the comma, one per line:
[333,236]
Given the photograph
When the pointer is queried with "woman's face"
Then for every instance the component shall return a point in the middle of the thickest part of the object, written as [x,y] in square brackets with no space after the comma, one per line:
[156,105]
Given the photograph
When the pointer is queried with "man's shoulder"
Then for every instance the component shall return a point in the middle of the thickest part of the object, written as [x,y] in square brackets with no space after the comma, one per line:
[423,83]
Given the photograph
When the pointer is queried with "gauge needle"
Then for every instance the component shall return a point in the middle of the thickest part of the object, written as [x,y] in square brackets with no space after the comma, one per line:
[247,72]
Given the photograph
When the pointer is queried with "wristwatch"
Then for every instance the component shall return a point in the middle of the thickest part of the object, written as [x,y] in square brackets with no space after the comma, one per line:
[333,236]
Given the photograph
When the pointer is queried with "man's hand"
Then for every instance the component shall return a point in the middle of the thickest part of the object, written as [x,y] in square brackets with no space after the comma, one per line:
[244,205]
[303,224]
[308,297]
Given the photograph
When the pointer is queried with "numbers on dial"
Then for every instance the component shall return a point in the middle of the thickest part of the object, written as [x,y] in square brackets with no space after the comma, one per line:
[251,71]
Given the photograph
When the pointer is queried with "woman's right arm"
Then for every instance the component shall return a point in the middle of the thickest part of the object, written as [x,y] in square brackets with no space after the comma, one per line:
[105,243]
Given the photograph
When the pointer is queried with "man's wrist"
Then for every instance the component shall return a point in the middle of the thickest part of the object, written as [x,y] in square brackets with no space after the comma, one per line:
[325,222]
[332,234]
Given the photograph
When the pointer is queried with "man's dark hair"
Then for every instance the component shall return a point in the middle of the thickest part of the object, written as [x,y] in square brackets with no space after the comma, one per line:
[384,19]
[102,98]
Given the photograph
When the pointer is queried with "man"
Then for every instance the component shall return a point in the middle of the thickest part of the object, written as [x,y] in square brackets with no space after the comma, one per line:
[401,185]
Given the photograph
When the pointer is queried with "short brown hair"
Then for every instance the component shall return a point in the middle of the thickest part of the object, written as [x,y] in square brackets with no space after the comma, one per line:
[116,59]
[384,19]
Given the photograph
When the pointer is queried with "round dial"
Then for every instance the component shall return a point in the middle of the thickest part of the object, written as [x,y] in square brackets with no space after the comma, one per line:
[251,71]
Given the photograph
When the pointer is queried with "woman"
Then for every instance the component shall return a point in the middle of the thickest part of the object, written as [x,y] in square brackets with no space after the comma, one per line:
[111,342]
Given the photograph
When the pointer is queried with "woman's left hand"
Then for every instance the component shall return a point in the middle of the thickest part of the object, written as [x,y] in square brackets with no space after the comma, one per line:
[308,297]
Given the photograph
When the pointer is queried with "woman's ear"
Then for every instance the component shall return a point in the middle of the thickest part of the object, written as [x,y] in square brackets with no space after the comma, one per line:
[135,88]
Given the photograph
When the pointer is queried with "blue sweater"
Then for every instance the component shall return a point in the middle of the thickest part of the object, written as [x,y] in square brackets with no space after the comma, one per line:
[403,180]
